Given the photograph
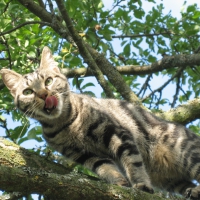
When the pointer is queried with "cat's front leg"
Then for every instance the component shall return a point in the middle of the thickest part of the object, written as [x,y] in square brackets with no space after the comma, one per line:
[132,162]
[126,151]
[105,168]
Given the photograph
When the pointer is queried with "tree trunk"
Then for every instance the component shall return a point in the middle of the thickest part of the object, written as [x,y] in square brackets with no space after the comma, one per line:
[26,172]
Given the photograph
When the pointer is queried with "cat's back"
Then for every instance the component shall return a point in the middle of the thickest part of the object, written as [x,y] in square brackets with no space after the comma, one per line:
[127,114]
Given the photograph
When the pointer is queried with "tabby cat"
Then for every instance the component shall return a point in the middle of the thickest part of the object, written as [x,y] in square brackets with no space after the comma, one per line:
[119,141]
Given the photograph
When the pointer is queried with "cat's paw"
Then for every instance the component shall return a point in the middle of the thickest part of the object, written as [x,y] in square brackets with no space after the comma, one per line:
[144,187]
[121,182]
[193,193]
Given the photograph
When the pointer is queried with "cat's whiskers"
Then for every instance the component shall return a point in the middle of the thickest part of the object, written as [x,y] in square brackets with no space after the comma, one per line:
[31,110]
[66,92]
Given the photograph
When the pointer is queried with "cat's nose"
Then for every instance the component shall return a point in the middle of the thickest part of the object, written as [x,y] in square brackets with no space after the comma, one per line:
[42,95]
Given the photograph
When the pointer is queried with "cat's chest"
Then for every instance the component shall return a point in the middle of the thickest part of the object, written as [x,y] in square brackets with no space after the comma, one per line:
[78,139]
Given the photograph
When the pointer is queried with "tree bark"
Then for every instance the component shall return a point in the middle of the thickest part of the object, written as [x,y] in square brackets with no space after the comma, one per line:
[183,114]
[26,172]
[167,62]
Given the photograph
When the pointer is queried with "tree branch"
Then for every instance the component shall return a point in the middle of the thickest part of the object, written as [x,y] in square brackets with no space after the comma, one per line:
[167,62]
[36,9]
[23,24]
[142,35]
[183,114]
[178,73]
[114,77]
[83,50]
[26,172]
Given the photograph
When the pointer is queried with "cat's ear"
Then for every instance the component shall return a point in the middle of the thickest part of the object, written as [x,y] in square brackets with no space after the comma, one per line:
[47,61]
[10,79]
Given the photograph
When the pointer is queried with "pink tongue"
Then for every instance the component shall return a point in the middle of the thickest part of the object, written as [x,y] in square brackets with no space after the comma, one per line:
[51,102]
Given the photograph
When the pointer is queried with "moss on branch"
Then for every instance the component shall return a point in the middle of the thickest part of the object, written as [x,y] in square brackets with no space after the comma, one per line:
[184,113]
[26,172]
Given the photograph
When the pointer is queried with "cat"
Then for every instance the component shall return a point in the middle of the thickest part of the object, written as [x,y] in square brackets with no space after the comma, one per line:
[121,142]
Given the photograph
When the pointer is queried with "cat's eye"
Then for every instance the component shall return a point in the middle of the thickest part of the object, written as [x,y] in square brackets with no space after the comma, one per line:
[27,92]
[48,81]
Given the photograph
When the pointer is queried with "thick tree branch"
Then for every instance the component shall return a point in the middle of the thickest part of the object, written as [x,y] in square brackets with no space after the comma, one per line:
[174,62]
[83,50]
[114,77]
[37,10]
[167,62]
[184,113]
[26,172]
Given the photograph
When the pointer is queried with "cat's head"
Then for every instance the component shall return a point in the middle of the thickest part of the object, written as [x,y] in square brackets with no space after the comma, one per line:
[39,94]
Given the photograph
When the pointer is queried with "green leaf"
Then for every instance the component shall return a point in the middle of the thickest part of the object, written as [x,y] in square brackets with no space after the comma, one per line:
[138,13]
[87,85]
[2,119]
[32,54]
[196,15]
[151,58]
[18,132]
[127,50]
[37,130]
[34,133]
[108,37]
[191,8]
[26,43]
[90,93]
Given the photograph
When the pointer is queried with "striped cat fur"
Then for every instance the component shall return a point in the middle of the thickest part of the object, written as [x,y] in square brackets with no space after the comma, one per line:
[119,141]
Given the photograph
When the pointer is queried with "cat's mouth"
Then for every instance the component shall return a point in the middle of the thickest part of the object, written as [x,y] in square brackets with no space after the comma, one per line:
[51,103]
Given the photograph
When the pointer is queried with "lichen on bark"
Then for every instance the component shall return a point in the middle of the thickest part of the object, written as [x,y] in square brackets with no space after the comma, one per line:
[27,172]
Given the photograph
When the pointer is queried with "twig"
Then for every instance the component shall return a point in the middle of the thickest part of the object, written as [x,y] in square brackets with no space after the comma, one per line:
[6,7]
[145,85]
[51,7]
[165,84]
[4,125]
[8,51]
[176,93]
[142,35]
[24,24]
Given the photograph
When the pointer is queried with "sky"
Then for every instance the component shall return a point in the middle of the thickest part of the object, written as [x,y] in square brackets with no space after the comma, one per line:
[175,6]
